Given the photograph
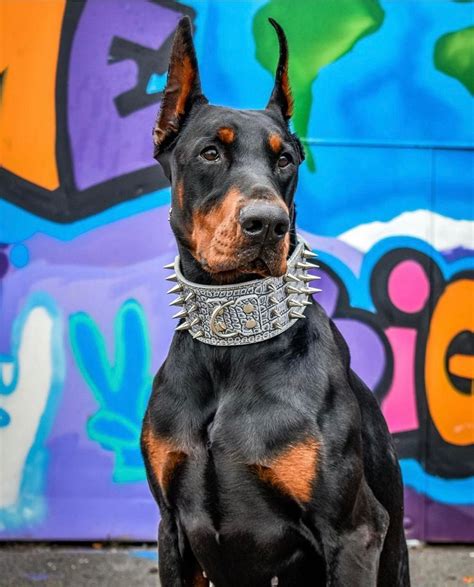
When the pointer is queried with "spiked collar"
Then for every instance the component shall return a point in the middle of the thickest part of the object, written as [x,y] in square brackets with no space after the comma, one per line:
[249,312]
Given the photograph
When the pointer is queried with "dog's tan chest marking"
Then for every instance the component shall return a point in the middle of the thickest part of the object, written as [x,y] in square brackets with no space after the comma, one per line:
[163,456]
[294,470]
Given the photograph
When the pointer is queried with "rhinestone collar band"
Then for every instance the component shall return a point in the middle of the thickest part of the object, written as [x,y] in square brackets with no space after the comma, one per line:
[249,312]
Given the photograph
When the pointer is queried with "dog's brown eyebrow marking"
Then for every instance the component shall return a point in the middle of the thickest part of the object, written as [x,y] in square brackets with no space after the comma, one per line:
[275,141]
[226,134]
[294,470]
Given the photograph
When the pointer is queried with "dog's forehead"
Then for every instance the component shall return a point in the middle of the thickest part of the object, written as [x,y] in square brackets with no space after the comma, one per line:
[209,120]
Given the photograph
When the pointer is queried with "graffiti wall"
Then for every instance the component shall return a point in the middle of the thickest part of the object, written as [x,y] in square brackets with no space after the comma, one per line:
[384,103]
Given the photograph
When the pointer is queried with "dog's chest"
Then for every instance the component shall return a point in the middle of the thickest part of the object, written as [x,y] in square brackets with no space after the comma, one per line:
[247,443]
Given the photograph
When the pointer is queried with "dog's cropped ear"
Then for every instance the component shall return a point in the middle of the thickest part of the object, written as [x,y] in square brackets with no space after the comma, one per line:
[183,88]
[281,99]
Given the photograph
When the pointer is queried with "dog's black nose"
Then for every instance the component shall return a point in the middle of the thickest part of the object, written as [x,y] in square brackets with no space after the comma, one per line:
[263,221]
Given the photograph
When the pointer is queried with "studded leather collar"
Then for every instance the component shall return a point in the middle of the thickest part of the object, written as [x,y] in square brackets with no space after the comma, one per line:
[249,312]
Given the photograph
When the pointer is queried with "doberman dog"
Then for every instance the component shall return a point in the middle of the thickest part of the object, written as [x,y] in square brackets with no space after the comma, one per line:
[268,456]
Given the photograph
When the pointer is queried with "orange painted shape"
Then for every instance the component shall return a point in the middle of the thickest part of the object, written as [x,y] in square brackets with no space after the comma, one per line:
[462,366]
[294,470]
[30,45]
[451,411]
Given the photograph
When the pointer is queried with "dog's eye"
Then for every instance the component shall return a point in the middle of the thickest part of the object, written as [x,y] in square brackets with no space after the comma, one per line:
[284,160]
[210,154]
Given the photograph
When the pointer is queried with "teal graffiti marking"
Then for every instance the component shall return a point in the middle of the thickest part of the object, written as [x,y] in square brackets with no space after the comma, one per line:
[156,83]
[121,389]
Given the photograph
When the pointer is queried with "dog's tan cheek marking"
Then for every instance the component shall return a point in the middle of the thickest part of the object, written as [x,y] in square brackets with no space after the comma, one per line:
[284,247]
[226,134]
[215,233]
[163,457]
[275,142]
[294,470]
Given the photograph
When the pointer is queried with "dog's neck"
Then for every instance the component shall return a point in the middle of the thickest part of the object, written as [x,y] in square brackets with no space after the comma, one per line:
[242,313]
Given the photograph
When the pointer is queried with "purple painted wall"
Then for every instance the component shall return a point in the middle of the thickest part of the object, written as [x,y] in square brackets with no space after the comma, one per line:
[84,318]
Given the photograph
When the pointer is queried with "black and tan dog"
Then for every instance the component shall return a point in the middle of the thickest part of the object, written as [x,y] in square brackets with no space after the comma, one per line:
[271,462]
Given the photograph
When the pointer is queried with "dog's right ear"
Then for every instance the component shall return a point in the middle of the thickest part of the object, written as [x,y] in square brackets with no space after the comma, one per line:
[182,91]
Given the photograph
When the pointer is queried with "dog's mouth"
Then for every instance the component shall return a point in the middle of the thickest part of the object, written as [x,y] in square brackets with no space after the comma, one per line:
[250,263]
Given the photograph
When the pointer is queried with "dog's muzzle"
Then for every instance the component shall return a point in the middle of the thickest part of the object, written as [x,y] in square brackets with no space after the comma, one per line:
[249,312]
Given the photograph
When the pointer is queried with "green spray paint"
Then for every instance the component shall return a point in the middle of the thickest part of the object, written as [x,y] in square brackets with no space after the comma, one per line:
[454,56]
[319,33]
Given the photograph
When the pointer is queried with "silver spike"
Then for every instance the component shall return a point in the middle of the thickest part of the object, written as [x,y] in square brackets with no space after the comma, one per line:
[294,304]
[181,314]
[276,324]
[273,300]
[169,266]
[274,313]
[310,290]
[194,321]
[307,254]
[290,277]
[175,289]
[178,301]
[183,326]
[305,265]
[291,289]
[310,277]
[307,303]
[189,296]
[294,315]
[272,286]
[172,277]
[192,308]
[197,334]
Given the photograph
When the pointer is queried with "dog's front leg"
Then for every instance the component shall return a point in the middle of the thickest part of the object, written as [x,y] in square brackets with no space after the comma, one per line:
[178,566]
[171,566]
[352,546]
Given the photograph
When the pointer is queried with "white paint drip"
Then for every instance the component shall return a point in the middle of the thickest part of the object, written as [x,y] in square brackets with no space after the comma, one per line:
[439,231]
[6,372]
[26,404]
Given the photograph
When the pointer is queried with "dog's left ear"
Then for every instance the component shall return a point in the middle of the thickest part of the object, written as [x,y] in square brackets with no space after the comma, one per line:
[183,88]
[281,99]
